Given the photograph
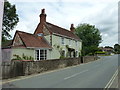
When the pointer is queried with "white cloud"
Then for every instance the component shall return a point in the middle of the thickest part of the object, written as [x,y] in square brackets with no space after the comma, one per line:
[101,13]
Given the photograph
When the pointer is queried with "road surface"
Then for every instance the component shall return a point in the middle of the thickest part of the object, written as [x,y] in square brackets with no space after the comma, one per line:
[94,74]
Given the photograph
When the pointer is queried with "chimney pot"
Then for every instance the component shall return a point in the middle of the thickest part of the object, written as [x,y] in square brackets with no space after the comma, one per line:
[43,16]
[72,29]
[43,11]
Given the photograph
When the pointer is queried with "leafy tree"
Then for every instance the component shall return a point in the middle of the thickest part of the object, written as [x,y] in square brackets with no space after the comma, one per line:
[117,48]
[90,37]
[10,20]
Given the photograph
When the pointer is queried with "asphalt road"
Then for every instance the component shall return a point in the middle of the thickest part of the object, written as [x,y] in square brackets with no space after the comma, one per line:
[95,74]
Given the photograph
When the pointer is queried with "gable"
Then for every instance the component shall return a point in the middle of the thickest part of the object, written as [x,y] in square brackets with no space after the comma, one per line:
[30,40]
[17,40]
[45,31]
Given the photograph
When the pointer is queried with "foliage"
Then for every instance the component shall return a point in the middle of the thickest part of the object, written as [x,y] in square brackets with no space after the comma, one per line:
[17,57]
[100,52]
[59,49]
[10,20]
[117,48]
[62,57]
[90,37]
[67,46]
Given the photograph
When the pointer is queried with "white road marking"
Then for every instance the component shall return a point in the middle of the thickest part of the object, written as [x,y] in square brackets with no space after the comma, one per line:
[75,74]
[34,75]
[111,80]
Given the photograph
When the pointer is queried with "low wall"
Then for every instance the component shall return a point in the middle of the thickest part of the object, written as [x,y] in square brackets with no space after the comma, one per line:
[21,68]
[89,58]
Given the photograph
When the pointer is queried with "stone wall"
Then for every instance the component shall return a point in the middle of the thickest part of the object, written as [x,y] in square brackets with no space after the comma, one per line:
[89,58]
[21,68]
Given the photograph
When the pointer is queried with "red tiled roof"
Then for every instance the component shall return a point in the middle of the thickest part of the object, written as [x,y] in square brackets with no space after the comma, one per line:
[31,40]
[61,31]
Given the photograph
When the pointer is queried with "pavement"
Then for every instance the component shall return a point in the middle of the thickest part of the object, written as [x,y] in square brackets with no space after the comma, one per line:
[95,74]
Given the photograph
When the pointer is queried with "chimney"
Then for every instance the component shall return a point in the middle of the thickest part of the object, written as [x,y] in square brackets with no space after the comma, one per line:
[72,29]
[43,16]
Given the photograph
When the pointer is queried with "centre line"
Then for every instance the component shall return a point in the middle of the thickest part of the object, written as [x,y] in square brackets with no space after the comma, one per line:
[75,74]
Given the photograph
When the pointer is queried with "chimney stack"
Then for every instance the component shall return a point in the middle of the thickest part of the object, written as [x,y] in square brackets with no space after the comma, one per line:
[72,29]
[43,16]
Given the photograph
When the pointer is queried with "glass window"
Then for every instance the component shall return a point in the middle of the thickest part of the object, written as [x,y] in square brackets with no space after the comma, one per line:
[37,54]
[41,54]
[76,53]
[62,40]
[63,53]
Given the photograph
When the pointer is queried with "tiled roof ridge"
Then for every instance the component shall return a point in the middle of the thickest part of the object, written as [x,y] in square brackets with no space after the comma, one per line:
[24,32]
[66,30]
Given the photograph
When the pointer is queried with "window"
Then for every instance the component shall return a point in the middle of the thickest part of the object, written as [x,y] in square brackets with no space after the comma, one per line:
[76,53]
[37,54]
[63,53]
[62,40]
[41,54]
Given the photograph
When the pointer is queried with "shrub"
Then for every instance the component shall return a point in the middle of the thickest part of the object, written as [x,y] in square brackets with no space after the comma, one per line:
[17,57]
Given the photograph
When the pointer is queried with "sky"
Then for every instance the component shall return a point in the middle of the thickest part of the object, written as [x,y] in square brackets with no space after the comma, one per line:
[101,13]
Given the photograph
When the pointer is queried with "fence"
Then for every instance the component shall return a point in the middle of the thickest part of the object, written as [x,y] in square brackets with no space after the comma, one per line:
[21,68]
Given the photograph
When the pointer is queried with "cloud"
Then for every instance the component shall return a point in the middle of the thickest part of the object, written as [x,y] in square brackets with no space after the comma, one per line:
[103,14]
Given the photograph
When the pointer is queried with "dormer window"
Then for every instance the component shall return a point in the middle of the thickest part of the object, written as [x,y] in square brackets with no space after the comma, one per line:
[62,40]
[40,34]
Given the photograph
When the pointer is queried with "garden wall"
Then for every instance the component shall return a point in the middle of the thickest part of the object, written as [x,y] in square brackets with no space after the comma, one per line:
[22,68]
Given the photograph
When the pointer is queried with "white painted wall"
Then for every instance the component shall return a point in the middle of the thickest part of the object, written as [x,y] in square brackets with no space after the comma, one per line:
[56,41]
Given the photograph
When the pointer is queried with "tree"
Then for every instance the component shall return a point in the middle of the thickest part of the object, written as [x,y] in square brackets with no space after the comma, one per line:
[90,37]
[10,20]
[117,48]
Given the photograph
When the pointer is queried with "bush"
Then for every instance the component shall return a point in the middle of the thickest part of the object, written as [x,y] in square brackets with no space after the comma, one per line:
[100,52]
[17,57]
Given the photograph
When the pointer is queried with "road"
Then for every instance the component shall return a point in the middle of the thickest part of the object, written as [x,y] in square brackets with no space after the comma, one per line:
[94,74]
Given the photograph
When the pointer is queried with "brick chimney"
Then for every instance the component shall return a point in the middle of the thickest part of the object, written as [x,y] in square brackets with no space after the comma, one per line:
[43,16]
[72,29]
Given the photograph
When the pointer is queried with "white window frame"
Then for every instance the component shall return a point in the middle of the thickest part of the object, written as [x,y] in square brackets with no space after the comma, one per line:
[40,56]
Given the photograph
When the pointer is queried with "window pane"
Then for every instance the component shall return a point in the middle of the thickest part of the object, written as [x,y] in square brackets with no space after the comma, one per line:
[63,53]
[62,40]
[37,54]
[42,55]
[76,53]
[41,51]
[41,58]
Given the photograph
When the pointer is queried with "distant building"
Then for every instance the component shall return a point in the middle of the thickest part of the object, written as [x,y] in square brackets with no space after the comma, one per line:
[109,50]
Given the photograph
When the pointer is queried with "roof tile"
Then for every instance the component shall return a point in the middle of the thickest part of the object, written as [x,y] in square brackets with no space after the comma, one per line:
[61,31]
[31,40]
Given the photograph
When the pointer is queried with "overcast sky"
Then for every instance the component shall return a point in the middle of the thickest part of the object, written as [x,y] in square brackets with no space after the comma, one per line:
[101,13]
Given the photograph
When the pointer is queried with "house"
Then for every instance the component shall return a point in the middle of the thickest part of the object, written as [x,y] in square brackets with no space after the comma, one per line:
[107,49]
[48,41]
